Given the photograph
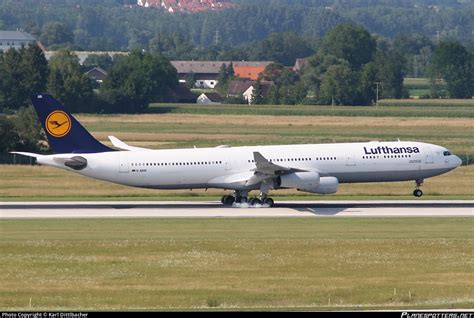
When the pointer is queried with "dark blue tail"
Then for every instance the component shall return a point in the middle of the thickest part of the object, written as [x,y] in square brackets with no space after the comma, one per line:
[65,134]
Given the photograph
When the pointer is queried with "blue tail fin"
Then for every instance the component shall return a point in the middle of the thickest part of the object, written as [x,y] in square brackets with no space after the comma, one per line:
[65,134]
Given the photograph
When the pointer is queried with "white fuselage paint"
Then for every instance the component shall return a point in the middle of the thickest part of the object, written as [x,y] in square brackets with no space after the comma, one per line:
[224,167]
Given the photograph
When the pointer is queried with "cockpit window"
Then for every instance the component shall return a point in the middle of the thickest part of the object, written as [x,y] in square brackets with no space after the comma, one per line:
[446,153]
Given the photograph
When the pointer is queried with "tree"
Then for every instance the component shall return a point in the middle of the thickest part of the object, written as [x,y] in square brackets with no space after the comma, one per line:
[30,133]
[416,49]
[287,89]
[9,139]
[56,33]
[67,83]
[23,72]
[351,43]
[337,85]
[314,73]
[452,62]
[223,77]
[190,79]
[226,74]
[257,94]
[137,80]
[104,61]
[367,87]
[273,97]
[391,71]
[282,48]
[35,69]
[14,92]
[292,94]
[22,132]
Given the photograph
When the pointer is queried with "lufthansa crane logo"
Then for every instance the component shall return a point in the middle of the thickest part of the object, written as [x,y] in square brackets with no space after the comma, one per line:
[58,124]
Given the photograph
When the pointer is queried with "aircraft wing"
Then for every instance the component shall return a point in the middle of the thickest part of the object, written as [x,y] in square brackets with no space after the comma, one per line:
[264,170]
[121,145]
[264,166]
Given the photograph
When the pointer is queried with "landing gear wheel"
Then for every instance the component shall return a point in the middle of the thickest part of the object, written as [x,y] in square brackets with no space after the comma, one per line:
[227,200]
[255,201]
[268,201]
[417,193]
[241,200]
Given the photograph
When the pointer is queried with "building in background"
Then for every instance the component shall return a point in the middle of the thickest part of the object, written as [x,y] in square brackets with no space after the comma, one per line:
[188,6]
[245,89]
[16,40]
[96,74]
[209,99]
[250,70]
[206,73]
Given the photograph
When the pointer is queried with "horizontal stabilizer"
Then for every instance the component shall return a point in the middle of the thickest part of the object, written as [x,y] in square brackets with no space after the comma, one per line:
[121,145]
[28,154]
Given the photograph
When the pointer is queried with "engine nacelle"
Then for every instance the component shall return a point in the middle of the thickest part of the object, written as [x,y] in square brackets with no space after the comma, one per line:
[300,180]
[327,185]
[309,182]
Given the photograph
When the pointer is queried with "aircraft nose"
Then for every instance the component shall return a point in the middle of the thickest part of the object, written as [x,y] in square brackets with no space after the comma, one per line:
[457,161]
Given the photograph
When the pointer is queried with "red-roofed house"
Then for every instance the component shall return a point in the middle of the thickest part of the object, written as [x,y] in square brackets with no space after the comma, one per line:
[190,6]
[249,70]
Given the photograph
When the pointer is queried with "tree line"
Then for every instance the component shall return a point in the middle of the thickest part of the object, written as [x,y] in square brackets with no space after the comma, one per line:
[345,69]
[352,67]
[110,25]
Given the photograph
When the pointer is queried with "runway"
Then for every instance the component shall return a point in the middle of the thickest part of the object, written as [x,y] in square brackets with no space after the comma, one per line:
[206,209]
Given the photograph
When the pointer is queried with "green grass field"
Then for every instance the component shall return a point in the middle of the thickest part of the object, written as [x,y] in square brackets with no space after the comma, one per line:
[359,263]
[388,108]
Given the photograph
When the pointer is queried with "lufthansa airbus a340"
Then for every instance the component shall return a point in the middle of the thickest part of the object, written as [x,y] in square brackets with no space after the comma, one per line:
[315,168]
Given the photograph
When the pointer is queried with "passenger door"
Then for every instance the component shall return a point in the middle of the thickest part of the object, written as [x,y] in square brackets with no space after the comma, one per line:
[428,155]
[123,167]
[350,159]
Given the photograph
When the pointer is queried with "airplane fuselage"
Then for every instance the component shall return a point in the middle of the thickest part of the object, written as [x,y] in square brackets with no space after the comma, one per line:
[226,167]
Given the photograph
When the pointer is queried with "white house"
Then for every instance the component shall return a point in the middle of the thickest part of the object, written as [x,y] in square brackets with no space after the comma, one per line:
[15,40]
[209,99]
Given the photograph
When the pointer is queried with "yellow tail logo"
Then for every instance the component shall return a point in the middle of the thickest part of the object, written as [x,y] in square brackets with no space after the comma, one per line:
[58,124]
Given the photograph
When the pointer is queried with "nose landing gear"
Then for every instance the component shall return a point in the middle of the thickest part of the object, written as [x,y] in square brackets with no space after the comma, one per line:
[417,192]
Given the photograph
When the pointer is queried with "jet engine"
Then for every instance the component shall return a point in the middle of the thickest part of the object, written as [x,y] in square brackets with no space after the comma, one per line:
[76,163]
[309,182]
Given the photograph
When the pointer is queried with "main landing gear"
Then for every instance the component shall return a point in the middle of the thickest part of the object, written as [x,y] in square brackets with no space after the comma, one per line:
[417,192]
[242,197]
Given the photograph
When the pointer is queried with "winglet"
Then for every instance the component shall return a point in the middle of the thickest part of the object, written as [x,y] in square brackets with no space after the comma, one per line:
[263,165]
[257,156]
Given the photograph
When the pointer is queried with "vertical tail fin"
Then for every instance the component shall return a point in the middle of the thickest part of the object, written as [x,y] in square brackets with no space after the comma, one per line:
[65,134]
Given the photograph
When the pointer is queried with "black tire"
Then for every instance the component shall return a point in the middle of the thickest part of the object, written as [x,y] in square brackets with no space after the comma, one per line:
[418,193]
[269,202]
[255,201]
[229,200]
